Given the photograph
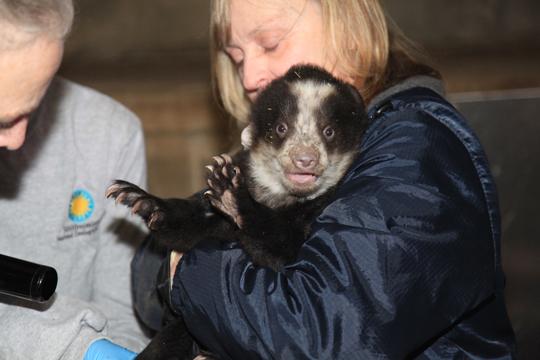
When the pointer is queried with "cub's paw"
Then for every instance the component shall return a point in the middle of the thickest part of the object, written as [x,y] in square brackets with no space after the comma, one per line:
[224,181]
[147,206]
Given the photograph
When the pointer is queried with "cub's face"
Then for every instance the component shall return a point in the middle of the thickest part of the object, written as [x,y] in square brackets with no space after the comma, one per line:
[304,133]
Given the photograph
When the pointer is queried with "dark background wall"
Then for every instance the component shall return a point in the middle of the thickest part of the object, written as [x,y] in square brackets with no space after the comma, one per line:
[126,28]
[153,57]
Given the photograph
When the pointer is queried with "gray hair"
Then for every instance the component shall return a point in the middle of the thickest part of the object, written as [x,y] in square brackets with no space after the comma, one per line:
[39,17]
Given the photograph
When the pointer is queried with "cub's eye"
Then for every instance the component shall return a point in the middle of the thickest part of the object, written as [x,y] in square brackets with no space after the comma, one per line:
[328,133]
[281,129]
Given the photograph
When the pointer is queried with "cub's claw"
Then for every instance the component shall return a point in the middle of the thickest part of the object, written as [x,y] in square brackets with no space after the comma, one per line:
[224,180]
[141,203]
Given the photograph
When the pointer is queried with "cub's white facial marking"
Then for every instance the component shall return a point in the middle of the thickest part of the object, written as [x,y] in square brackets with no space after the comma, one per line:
[305,138]
[338,165]
[309,95]
[267,173]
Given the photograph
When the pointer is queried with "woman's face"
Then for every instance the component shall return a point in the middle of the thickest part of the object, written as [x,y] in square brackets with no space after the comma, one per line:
[269,36]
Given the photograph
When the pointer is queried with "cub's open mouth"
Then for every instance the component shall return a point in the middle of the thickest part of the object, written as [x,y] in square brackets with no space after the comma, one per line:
[302,178]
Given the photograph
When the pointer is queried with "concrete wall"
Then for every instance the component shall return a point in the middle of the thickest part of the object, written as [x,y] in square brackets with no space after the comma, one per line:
[460,24]
[113,29]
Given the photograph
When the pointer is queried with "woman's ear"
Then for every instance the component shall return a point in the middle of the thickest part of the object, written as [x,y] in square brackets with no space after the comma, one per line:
[246,137]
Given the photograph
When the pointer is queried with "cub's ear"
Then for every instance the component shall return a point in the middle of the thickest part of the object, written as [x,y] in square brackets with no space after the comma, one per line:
[246,137]
[356,95]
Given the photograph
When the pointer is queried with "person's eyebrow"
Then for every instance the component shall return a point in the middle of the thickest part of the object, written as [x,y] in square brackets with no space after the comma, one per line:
[277,23]
[272,24]
[265,26]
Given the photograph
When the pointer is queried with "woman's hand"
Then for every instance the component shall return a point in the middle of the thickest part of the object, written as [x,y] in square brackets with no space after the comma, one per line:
[175,259]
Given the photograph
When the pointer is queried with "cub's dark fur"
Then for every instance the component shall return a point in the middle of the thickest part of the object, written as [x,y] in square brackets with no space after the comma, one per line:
[304,132]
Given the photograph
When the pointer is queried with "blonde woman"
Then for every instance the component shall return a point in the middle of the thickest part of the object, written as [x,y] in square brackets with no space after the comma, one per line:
[405,262]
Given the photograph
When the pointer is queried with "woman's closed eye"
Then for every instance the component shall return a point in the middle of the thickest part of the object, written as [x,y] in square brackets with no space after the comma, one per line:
[269,43]
[270,46]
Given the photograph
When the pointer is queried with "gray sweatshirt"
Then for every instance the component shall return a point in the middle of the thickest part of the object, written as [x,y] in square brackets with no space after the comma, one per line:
[53,211]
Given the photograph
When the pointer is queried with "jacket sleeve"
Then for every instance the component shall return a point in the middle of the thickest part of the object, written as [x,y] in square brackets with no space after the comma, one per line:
[399,256]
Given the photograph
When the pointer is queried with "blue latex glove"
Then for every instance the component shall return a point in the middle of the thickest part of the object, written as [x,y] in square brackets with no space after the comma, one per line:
[105,350]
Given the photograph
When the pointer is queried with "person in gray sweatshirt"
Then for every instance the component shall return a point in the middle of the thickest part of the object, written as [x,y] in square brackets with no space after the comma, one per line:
[61,145]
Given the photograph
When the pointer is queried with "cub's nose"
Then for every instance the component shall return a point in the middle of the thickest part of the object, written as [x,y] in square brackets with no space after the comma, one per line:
[305,158]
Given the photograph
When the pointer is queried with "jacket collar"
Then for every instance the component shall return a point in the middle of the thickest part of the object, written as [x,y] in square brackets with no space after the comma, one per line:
[424,81]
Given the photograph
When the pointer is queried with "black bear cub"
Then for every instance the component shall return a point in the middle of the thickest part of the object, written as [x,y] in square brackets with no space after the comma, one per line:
[304,132]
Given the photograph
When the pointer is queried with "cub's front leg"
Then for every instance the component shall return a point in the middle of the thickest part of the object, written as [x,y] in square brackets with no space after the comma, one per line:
[226,188]
[178,224]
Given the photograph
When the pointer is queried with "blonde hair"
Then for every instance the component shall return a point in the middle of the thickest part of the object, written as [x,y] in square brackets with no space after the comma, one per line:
[371,50]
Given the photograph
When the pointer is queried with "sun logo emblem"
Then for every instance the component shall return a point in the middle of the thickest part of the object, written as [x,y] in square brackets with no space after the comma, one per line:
[81,206]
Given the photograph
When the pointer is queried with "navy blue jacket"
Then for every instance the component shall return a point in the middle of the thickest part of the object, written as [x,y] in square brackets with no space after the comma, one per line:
[404,263]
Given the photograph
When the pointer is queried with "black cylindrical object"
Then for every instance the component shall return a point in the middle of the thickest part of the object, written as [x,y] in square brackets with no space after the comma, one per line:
[25,279]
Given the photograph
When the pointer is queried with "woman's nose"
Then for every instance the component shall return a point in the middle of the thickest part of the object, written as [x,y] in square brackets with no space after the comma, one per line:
[255,76]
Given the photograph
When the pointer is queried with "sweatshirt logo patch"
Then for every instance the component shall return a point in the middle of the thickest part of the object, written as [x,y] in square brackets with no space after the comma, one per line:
[81,206]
